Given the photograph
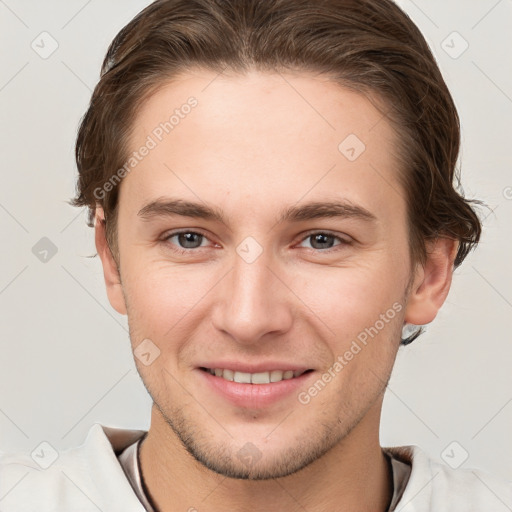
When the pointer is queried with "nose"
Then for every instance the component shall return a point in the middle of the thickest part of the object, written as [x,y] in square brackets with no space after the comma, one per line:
[253,301]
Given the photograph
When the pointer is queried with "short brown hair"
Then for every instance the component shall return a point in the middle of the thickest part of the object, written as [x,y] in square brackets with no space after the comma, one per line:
[371,46]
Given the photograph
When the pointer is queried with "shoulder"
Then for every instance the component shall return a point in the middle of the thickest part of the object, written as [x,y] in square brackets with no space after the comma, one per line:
[434,486]
[86,478]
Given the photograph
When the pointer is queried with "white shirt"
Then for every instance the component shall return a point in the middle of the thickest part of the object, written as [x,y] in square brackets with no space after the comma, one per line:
[90,477]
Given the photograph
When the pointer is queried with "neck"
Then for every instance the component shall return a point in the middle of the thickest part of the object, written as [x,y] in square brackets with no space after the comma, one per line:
[354,475]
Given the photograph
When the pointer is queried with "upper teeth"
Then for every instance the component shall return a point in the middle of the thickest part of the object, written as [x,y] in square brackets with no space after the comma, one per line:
[254,378]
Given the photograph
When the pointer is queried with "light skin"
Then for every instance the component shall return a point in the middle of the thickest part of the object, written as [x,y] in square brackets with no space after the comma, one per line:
[252,148]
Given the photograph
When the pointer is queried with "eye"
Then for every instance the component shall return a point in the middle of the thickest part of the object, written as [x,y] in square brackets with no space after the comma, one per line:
[324,242]
[186,241]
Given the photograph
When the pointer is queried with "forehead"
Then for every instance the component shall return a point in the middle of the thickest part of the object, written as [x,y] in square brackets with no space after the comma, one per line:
[310,105]
[279,136]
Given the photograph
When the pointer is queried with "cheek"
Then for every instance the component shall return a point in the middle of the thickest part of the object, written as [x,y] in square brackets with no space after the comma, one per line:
[350,299]
[364,311]
[162,298]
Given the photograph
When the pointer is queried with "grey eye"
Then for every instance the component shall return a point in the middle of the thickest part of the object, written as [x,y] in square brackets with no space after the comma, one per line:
[321,240]
[189,240]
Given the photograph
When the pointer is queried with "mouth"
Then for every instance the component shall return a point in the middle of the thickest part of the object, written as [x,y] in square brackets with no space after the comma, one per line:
[265,377]
[255,391]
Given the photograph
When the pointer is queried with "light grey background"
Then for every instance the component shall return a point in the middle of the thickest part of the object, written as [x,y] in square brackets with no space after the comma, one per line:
[65,357]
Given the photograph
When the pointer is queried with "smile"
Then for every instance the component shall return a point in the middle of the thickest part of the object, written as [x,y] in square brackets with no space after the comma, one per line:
[254,378]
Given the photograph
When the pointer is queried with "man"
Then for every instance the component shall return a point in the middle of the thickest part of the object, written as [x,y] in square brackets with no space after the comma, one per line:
[271,186]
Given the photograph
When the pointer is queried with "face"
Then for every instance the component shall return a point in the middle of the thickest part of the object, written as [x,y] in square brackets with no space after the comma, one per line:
[294,257]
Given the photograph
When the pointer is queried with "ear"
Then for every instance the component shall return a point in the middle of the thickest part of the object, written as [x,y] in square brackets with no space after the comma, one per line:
[432,282]
[110,270]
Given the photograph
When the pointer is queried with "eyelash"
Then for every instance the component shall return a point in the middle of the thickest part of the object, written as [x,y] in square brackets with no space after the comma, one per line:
[178,250]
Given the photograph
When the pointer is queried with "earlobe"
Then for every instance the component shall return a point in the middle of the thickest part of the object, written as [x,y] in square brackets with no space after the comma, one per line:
[432,282]
[110,269]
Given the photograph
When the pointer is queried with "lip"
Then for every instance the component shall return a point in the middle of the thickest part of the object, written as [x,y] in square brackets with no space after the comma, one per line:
[253,368]
[253,396]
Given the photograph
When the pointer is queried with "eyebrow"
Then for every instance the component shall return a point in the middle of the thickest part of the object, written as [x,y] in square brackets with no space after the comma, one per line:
[168,207]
